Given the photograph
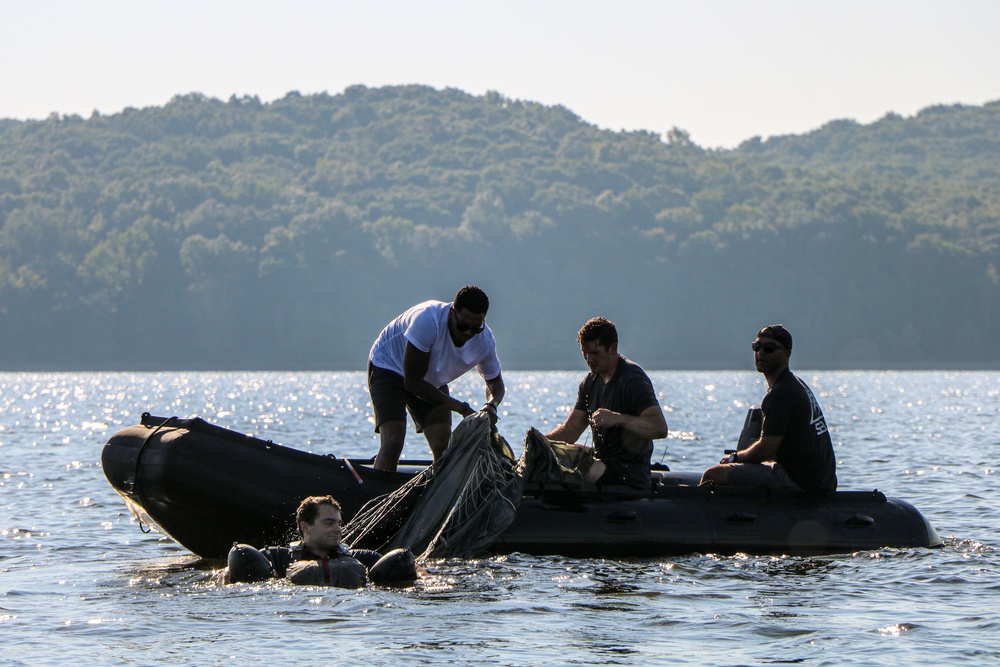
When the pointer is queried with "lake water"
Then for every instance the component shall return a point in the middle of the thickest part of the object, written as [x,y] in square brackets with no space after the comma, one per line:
[80,583]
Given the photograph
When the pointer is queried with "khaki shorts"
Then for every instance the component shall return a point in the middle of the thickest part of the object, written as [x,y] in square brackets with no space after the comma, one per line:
[769,475]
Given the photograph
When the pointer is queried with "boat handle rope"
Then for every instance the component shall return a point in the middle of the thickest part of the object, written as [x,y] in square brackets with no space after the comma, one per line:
[130,484]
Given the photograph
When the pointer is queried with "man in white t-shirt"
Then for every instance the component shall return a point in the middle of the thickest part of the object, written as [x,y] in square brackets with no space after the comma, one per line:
[414,359]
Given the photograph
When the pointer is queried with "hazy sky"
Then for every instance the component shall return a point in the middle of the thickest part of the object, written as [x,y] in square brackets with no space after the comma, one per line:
[723,70]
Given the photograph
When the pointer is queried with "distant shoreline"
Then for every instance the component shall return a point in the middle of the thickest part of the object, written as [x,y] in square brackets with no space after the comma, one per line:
[993,366]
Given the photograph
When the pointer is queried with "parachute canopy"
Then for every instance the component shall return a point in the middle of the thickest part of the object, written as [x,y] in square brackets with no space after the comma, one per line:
[456,507]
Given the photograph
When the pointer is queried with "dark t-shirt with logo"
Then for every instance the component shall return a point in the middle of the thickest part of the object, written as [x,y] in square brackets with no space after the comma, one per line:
[806,452]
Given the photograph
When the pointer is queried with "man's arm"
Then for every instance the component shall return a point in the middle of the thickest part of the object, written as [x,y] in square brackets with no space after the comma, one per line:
[495,390]
[415,365]
[648,424]
[765,449]
[571,430]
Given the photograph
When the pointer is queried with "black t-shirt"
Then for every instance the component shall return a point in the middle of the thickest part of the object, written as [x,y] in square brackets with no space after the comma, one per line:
[629,392]
[806,452]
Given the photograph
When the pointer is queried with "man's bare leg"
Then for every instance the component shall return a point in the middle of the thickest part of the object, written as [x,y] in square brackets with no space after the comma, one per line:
[393,434]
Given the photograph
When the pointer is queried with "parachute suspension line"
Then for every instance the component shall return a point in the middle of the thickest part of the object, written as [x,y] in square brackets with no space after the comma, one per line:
[480,498]
[456,507]
[664,454]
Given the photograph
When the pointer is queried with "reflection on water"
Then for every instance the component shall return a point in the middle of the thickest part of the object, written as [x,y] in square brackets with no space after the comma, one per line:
[80,583]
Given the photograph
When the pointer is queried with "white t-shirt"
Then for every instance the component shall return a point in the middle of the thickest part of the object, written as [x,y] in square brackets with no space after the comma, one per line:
[425,325]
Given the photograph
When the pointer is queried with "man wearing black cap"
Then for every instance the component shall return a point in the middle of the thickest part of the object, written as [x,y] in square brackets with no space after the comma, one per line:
[794,449]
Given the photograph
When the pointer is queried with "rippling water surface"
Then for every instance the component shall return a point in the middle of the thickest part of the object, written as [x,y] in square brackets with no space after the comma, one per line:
[81,583]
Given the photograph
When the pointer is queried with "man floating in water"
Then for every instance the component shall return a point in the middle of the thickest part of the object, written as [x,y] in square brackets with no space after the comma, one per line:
[320,558]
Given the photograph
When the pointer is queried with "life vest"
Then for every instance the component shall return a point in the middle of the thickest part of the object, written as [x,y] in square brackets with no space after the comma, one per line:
[345,569]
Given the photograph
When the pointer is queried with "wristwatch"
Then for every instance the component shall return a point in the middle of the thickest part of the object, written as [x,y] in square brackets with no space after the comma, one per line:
[733,457]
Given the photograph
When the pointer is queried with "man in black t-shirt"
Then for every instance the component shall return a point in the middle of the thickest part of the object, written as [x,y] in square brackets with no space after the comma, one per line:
[794,449]
[617,401]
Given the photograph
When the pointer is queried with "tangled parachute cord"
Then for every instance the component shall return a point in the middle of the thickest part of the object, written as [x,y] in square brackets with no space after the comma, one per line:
[456,507]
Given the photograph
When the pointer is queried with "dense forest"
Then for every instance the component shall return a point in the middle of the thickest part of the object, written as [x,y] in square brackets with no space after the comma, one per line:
[243,235]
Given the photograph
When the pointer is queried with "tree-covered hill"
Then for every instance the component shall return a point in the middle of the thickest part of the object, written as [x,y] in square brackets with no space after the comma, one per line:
[941,142]
[211,234]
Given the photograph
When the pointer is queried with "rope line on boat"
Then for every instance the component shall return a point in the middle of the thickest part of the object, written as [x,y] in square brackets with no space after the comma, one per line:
[132,483]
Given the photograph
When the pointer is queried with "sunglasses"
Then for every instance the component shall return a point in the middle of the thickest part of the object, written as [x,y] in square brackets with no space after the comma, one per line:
[471,328]
[767,348]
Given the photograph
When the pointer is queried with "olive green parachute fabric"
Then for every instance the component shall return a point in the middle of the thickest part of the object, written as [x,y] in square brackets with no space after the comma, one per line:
[553,464]
[456,507]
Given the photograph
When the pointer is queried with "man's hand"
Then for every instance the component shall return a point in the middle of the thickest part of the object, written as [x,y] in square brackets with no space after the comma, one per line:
[603,417]
[491,410]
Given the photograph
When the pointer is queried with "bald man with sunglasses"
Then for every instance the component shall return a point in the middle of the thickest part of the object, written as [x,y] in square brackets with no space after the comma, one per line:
[794,450]
[414,359]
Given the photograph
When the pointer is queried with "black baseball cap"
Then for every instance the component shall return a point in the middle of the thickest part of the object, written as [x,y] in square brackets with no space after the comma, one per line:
[777,332]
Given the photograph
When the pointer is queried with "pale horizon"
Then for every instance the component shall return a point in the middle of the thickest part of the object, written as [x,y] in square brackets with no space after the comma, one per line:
[722,71]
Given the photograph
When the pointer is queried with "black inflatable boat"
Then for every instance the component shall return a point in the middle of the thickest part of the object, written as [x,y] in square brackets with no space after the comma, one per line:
[208,487]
